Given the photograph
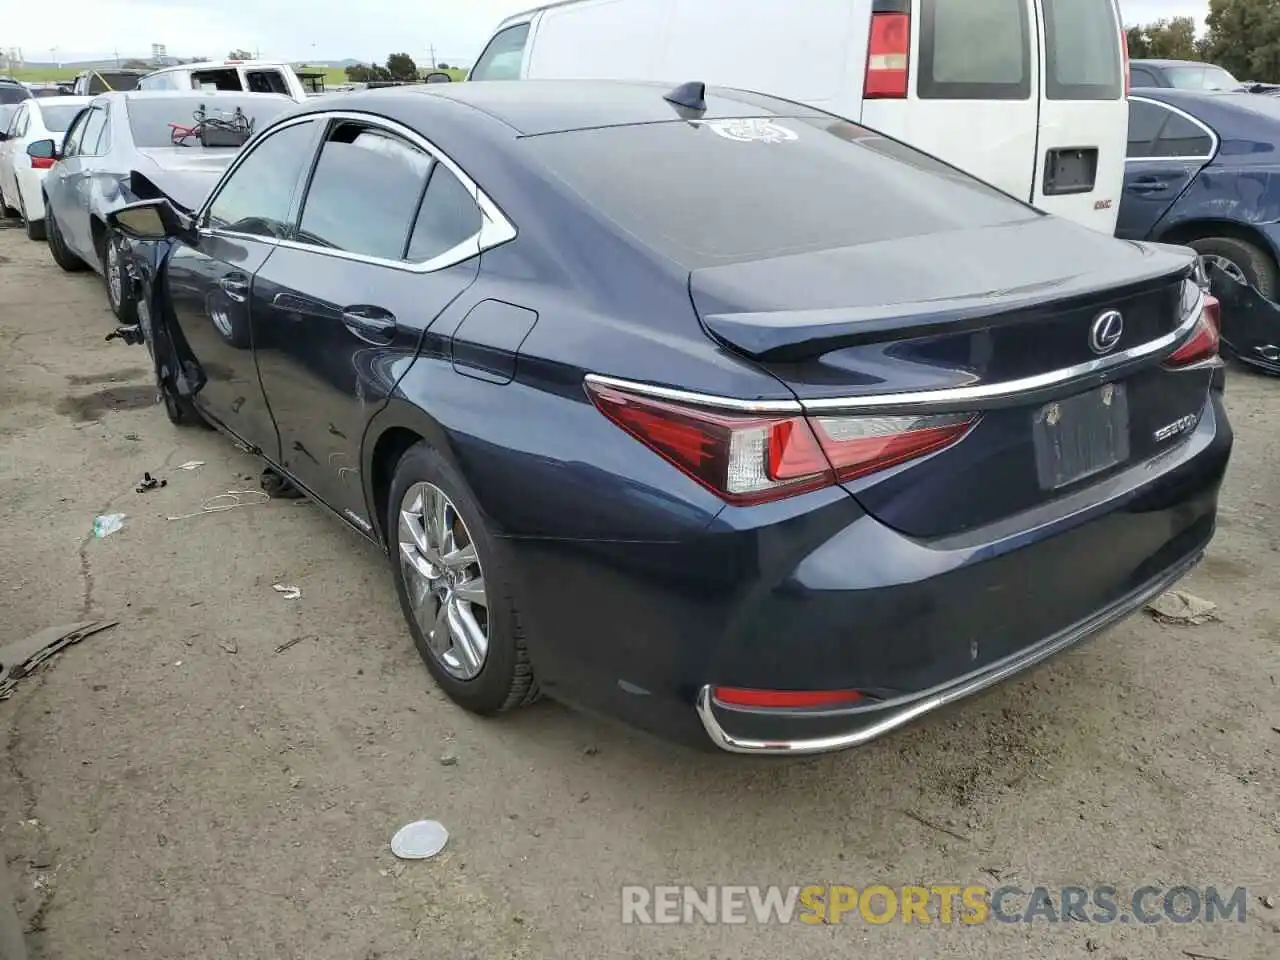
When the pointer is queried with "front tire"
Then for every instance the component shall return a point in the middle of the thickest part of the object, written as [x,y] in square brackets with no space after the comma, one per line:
[6,211]
[119,291]
[63,257]
[34,228]
[1240,260]
[453,587]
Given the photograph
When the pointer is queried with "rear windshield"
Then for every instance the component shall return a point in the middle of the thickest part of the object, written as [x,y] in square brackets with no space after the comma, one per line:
[57,117]
[1207,77]
[723,191]
[13,93]
[150,119]
[119,81]
[1083,41]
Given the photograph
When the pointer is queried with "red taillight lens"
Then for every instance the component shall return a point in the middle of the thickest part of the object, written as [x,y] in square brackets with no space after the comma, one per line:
[746,458]
[1204,340]
[42,163]
[783,699]
[888,56]
[1124,50]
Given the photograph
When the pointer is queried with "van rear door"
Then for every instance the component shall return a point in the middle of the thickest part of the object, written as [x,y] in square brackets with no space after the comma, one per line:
[1079,172]
[972,100]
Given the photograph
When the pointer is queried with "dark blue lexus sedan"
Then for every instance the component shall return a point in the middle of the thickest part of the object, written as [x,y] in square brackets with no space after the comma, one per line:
[1203,169]
[707,410]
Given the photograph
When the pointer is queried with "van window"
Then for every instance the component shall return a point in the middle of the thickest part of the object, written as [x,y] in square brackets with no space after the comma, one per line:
[267,81]
[216,80]
[501,60]
[1082,38]
[974,50]
[813,183]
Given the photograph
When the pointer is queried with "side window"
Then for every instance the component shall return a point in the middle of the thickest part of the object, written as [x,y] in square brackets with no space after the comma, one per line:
[977,50]
[266,81]
[1142,77]
[23,121]
[448,217]
[18,126]
[71,143]
[1082,40]
[258,196]
[363,193]
[1182,138]
[501,60]
[93,130]
[1145,122]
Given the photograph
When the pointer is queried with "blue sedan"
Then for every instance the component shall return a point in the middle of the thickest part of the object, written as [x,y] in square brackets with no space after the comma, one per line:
[708,410]
[1203,169]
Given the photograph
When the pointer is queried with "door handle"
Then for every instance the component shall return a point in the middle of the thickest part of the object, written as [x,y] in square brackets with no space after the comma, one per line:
[235,286]
[372,324]
[1148,185]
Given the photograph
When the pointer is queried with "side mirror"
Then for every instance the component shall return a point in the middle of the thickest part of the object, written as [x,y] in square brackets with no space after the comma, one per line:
[42,150]
[149,220]
[438,76]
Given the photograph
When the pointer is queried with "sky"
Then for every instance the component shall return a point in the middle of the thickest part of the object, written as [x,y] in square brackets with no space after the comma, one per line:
[305,29]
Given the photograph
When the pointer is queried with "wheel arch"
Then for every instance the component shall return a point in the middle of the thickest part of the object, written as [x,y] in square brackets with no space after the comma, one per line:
[391,432]
[1200,229]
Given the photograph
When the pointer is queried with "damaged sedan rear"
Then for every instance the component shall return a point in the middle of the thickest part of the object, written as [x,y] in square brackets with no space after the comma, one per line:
[709,411]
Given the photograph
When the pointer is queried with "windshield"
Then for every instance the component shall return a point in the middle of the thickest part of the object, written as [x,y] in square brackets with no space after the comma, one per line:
[1208,77]
[57,117]
[120,81]
[152,120]
[13,93]
[722,191]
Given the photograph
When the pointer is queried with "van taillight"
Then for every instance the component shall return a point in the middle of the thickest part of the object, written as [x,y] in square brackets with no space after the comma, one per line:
[888,56]
[1128,72]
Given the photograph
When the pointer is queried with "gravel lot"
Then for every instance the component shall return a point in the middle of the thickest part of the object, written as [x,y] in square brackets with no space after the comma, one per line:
[177,788]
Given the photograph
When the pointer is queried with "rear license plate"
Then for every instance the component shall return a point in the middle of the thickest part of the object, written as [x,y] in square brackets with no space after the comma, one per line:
[1081,435]
[1068,171]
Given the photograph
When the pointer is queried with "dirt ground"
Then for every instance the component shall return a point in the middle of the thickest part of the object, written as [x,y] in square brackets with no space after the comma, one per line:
[175,787]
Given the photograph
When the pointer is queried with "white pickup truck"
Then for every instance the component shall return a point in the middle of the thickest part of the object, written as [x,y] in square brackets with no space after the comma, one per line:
[248,76]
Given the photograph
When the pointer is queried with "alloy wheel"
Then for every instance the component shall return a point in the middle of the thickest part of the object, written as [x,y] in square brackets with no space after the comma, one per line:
[444,580]
[115,278]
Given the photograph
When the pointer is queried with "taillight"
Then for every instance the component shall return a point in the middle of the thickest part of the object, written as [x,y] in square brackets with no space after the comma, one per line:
[785,699]
[888,56]
[1124,50]
[42,163]
[746,458]
[1203,342]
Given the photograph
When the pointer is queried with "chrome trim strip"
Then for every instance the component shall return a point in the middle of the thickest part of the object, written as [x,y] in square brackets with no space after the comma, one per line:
[941,697]
[921,398]
[495,229]
[696,399]
[1213,136]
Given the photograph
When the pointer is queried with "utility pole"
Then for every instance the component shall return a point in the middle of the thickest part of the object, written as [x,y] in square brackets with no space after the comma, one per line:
[432,48]
[117,56]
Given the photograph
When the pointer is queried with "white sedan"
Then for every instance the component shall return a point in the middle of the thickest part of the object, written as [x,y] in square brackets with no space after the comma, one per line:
[21,175]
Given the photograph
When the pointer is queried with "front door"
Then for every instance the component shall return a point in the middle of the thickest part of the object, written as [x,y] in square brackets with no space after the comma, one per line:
[1166,150]
[340,311]
[210,281]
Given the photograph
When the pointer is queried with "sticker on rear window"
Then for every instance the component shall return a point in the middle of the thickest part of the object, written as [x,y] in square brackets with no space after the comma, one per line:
[753,130]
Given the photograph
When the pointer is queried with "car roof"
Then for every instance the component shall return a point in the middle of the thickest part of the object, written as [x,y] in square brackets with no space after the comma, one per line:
[188,94]
[536,107]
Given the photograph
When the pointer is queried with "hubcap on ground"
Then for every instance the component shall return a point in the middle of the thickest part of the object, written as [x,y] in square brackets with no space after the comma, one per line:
[444,581]
[115,282]
[1229,267]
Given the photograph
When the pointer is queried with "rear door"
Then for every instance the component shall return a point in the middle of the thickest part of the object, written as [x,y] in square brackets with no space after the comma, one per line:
[74,175]
[1079,164]
[1167,148]
[974,100]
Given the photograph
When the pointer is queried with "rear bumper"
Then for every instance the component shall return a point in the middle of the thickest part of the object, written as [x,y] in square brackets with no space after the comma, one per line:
[807,733]
[813,594]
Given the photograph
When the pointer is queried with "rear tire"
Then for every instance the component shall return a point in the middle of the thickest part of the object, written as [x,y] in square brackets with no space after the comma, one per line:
[502,678]
[34,228]
[63,257]
[180,410]
[119,290]
[1239,258]
[6,211]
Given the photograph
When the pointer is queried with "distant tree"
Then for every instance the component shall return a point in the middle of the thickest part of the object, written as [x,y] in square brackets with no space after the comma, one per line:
[240,55]
[1170,39]
[134,65]
[402,67]
[1244,37]
[366,73]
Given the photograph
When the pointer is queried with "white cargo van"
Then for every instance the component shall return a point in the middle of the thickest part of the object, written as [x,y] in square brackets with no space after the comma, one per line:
[1028,95]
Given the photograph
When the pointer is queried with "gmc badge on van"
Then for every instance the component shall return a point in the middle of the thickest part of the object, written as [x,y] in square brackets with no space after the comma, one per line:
[1102,205]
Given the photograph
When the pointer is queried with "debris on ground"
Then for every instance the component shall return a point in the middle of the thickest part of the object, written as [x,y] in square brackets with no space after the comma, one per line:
[1268,902]
[148,482]
[1180,607]
[277,487]
[448,759]
[287,590]
[107,524]
[419,840]
[21,658]
[191,465]
[228,646]
[1092,945]
[281,648]
[214,504]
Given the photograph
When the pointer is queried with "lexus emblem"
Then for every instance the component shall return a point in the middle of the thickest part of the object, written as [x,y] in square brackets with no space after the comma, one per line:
[1106,331]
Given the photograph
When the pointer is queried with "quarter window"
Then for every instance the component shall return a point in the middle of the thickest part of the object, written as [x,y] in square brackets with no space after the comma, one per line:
[93,131]
[71,144]
[258,196]
[19,125]
[503,57]
[1182,138]
[974,50]
[449,216]
[363,194]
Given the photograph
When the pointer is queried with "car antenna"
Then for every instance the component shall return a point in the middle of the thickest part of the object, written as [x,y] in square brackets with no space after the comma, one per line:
[690,96]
